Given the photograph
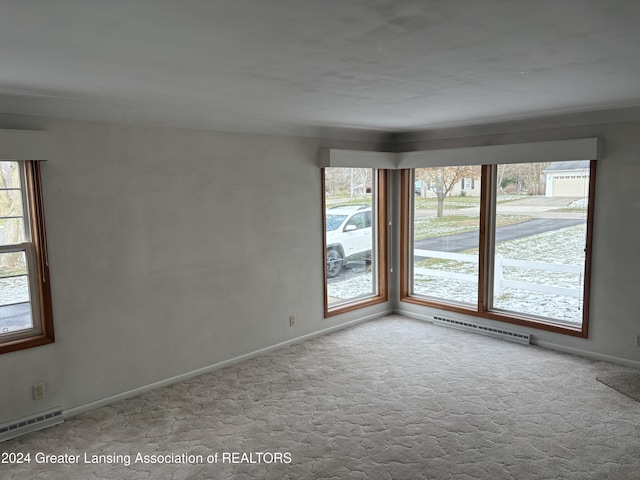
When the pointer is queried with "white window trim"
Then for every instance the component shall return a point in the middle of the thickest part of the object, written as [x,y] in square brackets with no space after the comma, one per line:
[35,250]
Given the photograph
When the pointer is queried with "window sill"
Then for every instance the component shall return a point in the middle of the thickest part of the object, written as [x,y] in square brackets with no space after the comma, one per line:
[356,305]
[25,343]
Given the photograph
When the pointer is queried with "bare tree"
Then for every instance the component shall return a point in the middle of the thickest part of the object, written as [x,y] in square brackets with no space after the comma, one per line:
[351,181]
[536,185]
[523,178]
[501,171]
[442,180]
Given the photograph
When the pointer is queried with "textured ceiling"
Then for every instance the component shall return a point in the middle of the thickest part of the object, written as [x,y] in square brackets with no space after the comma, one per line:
[265,65]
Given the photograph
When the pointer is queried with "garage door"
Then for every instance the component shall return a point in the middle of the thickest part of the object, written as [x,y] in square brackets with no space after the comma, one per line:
[570,186]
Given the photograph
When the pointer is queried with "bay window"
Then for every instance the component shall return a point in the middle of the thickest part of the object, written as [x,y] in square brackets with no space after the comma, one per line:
[518,251]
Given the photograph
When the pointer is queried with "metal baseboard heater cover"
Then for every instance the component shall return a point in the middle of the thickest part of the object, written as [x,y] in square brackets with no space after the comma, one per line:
[24,425]
[510,335]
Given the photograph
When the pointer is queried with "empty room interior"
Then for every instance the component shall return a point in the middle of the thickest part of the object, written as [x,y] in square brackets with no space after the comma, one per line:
[360,238]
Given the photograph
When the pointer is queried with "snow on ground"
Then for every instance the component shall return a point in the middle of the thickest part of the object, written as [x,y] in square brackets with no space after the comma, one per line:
[432,226]
[582,203]
[351,283]
[564,246]
[13,290]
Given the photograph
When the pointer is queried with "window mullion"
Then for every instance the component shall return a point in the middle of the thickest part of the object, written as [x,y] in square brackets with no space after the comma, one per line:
[406,235]
[410,228]
[487,237]
[380,232]
[374,223]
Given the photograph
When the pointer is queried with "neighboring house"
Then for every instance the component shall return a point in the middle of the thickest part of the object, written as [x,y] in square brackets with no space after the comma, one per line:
[567,179]
[359,189]
[466,186]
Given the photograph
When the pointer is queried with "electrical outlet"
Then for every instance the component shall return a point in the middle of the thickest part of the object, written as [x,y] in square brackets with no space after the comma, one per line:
[292,320]
[38,391]
[637,340]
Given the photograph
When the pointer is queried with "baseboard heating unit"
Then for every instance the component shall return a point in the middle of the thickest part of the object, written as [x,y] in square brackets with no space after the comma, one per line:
[31,424]
[510,335]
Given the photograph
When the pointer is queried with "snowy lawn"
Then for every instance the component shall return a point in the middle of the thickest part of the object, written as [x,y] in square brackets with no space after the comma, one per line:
[431,227]
[454,203]
[564,246]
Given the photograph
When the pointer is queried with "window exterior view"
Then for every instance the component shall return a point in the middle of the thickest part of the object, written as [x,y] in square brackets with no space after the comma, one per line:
[445,240]
[529,265]
[353,239]
[539,261]
[25,306]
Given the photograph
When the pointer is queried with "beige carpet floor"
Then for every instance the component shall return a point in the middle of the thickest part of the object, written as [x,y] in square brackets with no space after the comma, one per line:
[389,399]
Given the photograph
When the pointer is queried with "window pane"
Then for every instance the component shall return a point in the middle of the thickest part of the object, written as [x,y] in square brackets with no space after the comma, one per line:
[15,309]
[11,231]
[540,261]
[11,210]
[9,175]
[10,203]
[446,226]
[351,245]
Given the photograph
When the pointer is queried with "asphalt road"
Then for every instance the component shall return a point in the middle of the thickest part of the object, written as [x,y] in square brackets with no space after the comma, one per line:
[14,317]
[464,241]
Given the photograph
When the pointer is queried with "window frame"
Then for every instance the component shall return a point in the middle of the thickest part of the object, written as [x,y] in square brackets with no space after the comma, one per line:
[486,259]
[379,234]
[35,247]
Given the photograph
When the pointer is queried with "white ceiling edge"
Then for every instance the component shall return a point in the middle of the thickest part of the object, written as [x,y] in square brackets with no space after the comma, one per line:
[388,139]
[100,111]
[524,124]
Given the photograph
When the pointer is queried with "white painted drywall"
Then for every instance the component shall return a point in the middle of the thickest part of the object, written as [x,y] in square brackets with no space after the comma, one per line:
[170,250]
[614,319]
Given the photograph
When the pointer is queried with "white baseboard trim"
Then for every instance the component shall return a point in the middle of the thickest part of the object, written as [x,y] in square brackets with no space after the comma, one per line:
[71,412]
[550,345]
[415,316]
[584,353]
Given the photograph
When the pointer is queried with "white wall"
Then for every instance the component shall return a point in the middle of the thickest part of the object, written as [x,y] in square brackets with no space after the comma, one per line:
[170,250]
[614,319]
